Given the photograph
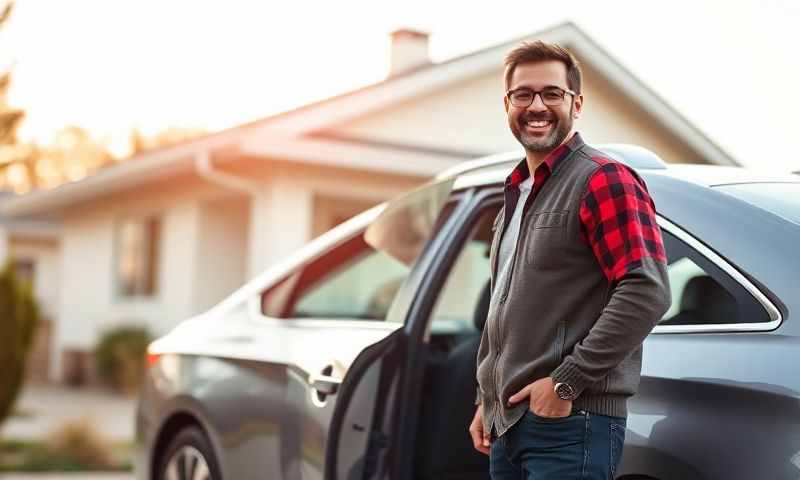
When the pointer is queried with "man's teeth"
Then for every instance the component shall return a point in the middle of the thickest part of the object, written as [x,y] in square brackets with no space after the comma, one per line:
[538,123]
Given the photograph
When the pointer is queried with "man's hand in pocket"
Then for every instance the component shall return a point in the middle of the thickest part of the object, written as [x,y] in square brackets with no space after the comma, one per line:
[543,399]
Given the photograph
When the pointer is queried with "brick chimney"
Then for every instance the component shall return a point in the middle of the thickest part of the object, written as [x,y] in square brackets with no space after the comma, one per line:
[409,50]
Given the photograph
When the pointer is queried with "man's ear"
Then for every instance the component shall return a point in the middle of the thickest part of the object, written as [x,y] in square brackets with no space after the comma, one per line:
[505,102]
[577,106]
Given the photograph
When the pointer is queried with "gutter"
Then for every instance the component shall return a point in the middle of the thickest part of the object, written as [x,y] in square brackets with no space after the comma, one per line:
[206,170]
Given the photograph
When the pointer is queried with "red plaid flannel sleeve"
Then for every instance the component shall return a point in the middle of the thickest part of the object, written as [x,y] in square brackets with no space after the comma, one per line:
[618,220]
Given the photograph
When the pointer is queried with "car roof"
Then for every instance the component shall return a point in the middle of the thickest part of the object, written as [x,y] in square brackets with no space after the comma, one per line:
[495,168]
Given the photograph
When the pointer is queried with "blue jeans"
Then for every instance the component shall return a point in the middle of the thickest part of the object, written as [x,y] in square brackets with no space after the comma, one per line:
[581,446]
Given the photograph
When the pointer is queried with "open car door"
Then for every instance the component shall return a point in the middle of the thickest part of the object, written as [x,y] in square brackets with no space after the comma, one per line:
[361,424]
[364,427]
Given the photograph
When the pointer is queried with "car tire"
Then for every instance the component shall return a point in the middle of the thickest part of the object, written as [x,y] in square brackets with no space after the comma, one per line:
[188,457]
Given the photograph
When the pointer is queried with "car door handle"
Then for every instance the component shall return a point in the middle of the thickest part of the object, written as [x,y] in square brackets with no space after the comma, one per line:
[324,384]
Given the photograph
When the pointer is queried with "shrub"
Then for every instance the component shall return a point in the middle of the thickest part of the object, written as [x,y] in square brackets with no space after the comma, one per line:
[72,446]
[78,443]
[19,317]
[120,357]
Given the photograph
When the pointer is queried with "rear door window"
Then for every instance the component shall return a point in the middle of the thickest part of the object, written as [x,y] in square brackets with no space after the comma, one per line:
[702,292]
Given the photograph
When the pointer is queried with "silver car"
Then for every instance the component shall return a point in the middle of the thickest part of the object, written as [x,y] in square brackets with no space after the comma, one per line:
[355,357]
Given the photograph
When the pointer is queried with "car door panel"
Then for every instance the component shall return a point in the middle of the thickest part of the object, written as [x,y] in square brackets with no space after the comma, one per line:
[325,353]
[360,428]
[707,402]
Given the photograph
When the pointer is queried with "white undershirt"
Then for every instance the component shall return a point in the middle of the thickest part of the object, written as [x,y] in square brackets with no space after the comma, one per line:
[508,243]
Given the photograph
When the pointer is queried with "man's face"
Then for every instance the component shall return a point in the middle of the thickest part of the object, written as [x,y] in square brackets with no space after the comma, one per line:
[540,128]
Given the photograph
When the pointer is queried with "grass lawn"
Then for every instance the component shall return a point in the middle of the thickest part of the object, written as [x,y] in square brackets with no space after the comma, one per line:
[29,456]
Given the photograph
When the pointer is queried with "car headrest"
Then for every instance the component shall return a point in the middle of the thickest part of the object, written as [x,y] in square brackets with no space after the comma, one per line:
[709,301]
[482,307]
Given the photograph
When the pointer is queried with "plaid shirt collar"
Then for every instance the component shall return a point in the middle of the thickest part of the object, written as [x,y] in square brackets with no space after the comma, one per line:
[550,164]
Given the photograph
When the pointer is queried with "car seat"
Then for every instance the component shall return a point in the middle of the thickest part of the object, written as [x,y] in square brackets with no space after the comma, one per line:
[705,302]
[444,449]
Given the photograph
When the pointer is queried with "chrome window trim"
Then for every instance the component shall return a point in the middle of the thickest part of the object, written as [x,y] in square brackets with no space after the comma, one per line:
[772,310]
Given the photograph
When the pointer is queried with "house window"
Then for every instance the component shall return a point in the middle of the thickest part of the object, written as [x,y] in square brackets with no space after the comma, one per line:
[25,269]
[137,256]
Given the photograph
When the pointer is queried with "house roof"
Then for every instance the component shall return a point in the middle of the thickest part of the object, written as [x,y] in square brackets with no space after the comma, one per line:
[290,134]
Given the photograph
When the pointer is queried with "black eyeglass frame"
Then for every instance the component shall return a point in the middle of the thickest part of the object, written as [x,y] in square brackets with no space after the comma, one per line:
[539,92]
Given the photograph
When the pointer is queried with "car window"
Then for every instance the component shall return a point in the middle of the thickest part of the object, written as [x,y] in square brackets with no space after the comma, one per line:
[352,281]
[702,293]
[464,295]
[357,279]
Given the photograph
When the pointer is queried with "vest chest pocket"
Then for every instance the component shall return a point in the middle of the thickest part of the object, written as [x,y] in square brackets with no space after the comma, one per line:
[547,234]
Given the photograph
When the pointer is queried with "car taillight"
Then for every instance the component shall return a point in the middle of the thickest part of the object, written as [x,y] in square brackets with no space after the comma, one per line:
[152,358]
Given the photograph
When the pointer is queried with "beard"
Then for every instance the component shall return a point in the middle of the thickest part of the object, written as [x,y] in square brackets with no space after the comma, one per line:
[558,132]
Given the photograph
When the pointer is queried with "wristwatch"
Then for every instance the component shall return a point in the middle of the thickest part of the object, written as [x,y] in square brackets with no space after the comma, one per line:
[564,391]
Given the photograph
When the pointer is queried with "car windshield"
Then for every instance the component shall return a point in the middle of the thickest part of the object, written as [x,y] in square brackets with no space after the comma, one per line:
[406,224]
[782,199]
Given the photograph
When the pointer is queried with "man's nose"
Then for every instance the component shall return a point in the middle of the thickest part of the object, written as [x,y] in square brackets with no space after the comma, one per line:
[537,105]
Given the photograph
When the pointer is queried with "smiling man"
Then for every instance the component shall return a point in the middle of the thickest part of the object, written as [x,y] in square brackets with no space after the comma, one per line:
[579,280]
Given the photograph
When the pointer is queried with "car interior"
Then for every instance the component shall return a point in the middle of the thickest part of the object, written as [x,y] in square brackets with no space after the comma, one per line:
[704,302]
[444,448]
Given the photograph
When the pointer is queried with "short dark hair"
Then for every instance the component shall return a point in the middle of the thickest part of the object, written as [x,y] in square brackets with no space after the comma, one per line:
[539,51]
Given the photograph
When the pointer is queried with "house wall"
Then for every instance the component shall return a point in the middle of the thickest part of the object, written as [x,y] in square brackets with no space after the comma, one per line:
[89,303]
[469,117]
[221,263]
[290,209]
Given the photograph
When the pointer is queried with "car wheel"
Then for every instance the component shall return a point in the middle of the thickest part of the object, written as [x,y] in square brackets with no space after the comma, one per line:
[189,457]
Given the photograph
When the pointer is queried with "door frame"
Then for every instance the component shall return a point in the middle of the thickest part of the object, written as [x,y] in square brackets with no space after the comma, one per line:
[437,270]
[408,343]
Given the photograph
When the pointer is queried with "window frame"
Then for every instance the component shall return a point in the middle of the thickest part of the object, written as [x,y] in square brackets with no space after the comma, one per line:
[319,247]
[117,293]
[772,311]
[255,306]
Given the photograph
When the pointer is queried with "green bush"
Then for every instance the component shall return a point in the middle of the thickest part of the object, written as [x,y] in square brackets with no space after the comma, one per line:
[19,317]
[120,357]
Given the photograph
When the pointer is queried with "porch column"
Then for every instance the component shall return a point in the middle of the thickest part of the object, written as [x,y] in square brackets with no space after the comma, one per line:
[280,222]
[4,253]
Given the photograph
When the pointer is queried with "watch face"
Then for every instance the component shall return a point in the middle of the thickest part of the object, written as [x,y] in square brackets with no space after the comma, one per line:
[564,391]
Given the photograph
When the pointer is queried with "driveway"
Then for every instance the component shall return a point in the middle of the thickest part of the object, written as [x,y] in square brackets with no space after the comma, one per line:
[45,406]
[66,476]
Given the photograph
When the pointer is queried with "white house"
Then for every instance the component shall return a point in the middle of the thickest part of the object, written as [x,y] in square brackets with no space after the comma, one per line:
[168,233]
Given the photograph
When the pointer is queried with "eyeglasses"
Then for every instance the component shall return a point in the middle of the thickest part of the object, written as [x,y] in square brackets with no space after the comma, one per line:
[551,96]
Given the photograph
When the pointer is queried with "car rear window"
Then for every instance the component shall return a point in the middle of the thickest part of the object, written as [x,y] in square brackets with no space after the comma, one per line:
[779,198]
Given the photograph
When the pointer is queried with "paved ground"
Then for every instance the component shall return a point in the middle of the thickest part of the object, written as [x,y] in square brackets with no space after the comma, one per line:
[66,476]
[46,406]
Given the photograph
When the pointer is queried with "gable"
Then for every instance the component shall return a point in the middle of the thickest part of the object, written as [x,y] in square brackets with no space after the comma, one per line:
[468,117]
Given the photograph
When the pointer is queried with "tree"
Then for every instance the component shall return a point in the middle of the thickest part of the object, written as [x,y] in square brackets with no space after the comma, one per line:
[165,138]
[71,155]
[17,162]
[19,318]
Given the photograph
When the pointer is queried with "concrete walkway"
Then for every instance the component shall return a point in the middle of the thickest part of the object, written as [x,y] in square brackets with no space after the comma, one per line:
[44,407]
[66,476]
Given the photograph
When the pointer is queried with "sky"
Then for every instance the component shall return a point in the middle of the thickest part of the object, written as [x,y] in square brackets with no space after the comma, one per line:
[731,68]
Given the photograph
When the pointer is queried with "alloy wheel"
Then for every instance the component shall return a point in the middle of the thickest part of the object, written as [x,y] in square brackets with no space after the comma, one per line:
[187,463]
